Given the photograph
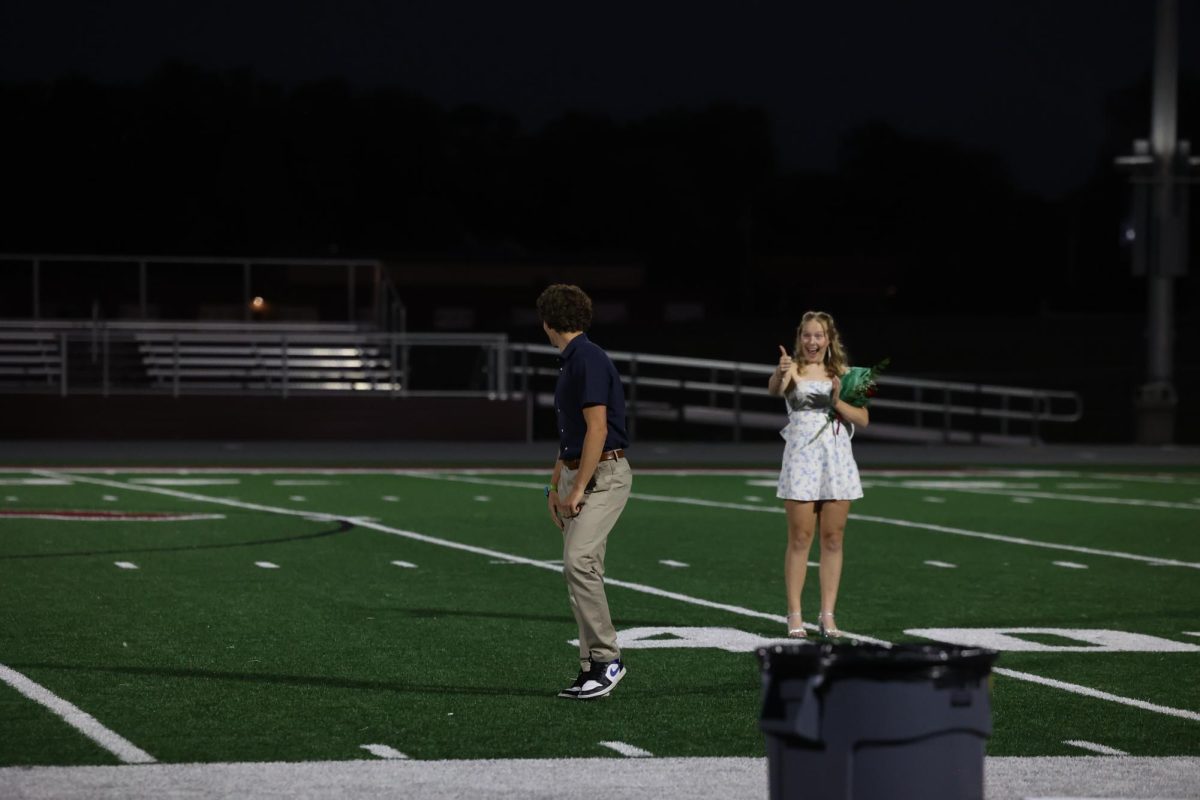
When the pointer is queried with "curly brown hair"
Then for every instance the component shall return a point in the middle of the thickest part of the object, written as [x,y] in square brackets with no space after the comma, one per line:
[565,308]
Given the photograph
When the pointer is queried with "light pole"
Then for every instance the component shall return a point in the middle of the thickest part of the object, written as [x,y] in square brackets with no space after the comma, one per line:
[1159,169]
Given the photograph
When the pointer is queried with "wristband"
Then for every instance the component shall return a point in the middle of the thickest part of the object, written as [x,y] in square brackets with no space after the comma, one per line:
[551,488]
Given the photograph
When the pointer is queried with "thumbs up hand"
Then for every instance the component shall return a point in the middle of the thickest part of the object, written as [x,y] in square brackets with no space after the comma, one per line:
[785,361]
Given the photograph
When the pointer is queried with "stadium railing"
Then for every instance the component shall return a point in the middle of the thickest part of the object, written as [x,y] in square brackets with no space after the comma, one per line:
[670,394]
[733,395]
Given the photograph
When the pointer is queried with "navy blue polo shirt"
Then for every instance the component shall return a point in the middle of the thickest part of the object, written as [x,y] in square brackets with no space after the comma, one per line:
[587,377]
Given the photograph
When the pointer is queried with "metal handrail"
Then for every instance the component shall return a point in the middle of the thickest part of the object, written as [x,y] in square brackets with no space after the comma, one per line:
[700,397]
[283,359]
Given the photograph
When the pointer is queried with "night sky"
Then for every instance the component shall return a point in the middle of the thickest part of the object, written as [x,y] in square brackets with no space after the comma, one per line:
[1024,80]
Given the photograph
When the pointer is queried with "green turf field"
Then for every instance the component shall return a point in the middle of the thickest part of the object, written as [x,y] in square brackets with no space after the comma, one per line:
[303,615]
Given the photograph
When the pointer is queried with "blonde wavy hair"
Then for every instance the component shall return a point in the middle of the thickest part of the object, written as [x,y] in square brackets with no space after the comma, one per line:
[837,361]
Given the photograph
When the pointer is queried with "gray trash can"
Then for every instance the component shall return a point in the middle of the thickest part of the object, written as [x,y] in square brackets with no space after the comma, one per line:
[869,721]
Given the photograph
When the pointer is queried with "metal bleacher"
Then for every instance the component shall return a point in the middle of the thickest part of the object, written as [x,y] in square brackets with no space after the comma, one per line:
[334,359]
[268,359]
[30,359]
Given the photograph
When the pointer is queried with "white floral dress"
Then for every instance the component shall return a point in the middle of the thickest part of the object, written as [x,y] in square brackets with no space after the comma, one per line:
[816,466]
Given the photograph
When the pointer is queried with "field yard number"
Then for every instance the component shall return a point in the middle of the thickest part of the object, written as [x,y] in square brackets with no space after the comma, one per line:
[1091,640]
[730,639]
[1007,639]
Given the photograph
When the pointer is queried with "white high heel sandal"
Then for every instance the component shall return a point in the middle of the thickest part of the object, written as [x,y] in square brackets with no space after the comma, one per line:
[831,631]
[798,632]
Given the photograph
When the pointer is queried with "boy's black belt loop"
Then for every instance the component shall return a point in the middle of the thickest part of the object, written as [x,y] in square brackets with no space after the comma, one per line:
[607,455]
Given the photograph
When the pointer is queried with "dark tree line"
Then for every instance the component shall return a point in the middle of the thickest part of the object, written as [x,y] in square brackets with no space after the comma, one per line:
[197,162]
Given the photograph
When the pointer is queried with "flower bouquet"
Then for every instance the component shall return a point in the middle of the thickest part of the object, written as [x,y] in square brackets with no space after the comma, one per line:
[858,387]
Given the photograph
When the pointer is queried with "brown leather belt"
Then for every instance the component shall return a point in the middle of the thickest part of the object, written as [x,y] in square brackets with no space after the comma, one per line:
[607,455]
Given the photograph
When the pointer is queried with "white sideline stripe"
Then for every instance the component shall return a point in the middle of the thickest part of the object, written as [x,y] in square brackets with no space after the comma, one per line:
[126,564]
[942,564]
[382,750]
[405,564]
[1104,750]
[266,565]
[694,501]
[670,562]
[1069,565]
[125,750]
[627,750]
[745,612]
[1099,695]
[1072,777]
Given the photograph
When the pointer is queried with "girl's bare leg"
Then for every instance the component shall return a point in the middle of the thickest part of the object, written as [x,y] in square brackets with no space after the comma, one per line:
[833,515]
[801,525]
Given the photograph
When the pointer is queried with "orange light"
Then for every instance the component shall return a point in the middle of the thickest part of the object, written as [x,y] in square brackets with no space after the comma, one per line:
[258,304]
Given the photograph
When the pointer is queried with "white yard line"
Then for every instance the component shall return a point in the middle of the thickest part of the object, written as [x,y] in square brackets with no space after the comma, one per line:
[651,590]
[627,750]
[383,751]
[996,537]
[1117,476]
[187,481]
[695,501]
[1099,695]
[1104,750]
[1078,498]
[125,750]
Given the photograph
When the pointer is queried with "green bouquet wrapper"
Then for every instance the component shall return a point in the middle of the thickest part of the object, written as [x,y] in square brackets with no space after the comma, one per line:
[858,387]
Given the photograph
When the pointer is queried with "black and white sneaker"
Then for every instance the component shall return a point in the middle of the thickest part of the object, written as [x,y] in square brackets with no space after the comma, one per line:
[602,679]
[572,691]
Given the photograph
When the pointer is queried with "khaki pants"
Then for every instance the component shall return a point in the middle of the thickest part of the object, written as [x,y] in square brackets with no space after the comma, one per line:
[584,541]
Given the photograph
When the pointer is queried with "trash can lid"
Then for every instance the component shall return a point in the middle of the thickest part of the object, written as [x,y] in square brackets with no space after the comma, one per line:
[875,661]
